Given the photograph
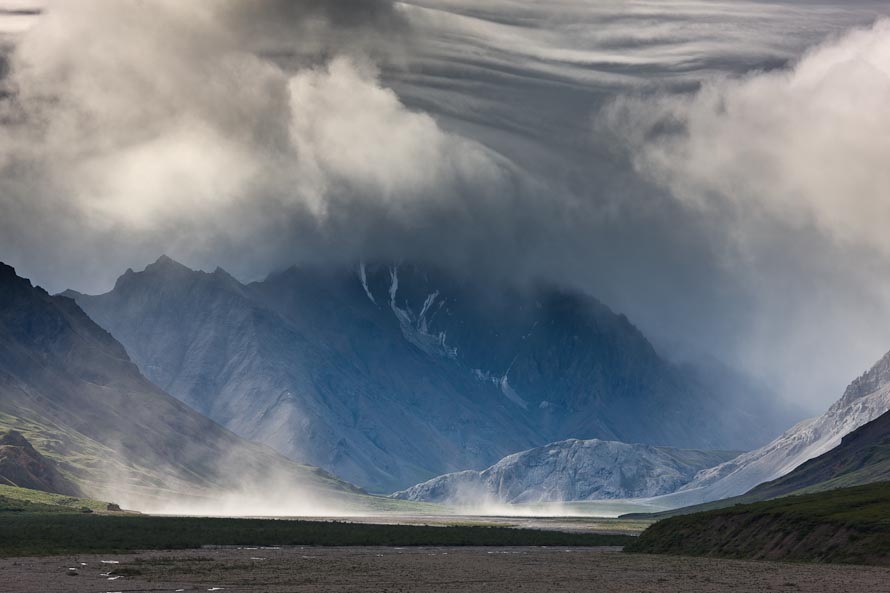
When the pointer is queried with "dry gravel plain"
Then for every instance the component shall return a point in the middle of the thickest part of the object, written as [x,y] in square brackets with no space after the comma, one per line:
[394,570]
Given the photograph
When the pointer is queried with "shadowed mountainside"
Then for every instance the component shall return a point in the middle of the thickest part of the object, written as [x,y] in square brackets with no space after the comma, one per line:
[390,375]
[69,387]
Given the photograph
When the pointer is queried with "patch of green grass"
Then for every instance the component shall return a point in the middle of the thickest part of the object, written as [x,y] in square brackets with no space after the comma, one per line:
[28,534]
[76,454]
[13,498]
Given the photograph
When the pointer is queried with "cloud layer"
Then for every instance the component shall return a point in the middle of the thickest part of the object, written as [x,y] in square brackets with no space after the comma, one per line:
[623,148]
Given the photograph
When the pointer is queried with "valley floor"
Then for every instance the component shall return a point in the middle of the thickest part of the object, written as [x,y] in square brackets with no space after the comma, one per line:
[406,570]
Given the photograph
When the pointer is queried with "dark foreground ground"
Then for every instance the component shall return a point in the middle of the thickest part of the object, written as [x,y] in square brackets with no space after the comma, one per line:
[407,570]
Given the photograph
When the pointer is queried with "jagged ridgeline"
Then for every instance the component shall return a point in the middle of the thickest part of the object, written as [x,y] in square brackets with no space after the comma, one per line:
[390,375]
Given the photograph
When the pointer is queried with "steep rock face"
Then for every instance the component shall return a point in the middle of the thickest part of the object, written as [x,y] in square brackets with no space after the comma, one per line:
[568,471]
[70,386]
[388,375]
[864,400]
[23,466]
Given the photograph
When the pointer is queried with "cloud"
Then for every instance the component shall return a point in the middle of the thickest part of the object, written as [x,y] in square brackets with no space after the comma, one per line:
[255,134]
[156,121]
[805,146]
[787,167]
[345,128]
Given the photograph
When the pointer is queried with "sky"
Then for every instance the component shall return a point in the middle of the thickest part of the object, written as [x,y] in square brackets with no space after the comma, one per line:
[714,170]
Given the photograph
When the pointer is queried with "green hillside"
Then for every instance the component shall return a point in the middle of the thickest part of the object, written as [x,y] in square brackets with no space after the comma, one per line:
[848,525]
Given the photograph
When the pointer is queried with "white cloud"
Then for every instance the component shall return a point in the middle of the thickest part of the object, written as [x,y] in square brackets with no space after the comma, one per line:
[156,121]
[346,127]
[788,169]
[808,146]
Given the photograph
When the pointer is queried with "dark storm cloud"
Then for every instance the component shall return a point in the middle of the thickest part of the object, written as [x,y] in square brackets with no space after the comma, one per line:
[354,14]
[256,134]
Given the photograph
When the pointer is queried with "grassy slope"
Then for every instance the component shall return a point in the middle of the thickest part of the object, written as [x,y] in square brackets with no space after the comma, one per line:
[74,454]
[23,499]
[850,525]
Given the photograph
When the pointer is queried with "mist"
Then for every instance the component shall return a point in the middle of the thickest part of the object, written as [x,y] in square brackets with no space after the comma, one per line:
[636,151]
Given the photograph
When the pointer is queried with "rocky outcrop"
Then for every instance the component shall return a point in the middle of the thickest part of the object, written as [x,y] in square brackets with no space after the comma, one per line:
[23,466]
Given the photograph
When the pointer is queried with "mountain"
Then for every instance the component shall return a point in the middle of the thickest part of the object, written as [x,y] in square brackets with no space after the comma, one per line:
[24,467]
[571,470]
[864,400]
[390,375]
[71,389]
[863,457]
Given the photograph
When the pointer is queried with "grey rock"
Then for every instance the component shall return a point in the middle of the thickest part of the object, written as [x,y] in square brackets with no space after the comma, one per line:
[571,470]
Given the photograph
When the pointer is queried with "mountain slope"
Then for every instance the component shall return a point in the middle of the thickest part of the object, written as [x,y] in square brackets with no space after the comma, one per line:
[864,400]
[389,375]
[570,470]
[862,457]
[71,389]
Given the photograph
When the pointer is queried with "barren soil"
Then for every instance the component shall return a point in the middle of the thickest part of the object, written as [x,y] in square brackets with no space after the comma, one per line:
[464,570]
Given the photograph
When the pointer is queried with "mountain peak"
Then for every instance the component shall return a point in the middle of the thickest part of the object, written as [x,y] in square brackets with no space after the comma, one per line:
[8,275]
[13,287]
[14,438]
[167,263]
[869,382]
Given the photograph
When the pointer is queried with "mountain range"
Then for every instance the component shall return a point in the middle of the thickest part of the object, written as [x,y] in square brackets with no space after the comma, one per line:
[379,381]
[69,387]
[390,375]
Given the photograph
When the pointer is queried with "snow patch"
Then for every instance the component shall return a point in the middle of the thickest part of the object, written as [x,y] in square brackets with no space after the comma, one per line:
[503,383]
[416,328]
[363,276]
[511,394]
